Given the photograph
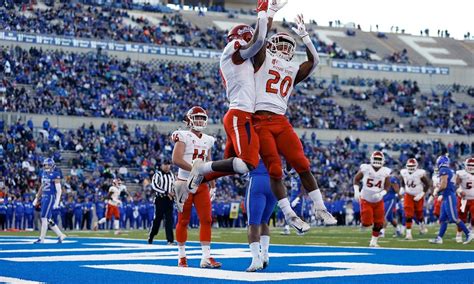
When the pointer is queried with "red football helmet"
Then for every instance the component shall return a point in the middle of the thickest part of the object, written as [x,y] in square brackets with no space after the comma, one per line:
[196,118]
[412,165]
[377,159]
[469,165]
[242,31]
[282,45]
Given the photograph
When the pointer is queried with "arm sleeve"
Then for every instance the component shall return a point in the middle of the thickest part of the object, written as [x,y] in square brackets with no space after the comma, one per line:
[312,49]
[253,49]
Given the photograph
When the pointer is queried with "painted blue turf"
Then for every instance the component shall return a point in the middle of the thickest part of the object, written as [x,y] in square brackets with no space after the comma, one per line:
[96,260]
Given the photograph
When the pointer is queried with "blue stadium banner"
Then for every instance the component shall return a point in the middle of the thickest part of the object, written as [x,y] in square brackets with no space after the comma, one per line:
[107,45]
[390,67]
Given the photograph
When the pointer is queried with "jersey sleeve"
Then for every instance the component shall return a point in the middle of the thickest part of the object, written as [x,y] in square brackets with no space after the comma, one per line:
[178,136]
[232,47]
[363,168]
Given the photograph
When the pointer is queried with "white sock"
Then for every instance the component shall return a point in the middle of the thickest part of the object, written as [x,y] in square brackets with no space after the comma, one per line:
[265,244]
[205,168]
[116,224]
[102,221]
[255,250]
[458,234]
[374,239]
[317,198]
[181,251]
[284,205]
[44,228]
[56,230]
[206,251]
[408,232]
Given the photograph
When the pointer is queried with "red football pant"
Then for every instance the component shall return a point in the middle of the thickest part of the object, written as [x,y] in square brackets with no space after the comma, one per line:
[412,208]
[202,201]
[278,137]
[463,215]
[372,213]
[242,140]
[112,210]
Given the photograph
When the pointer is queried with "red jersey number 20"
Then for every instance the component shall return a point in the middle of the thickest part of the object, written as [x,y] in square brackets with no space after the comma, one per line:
[284,85]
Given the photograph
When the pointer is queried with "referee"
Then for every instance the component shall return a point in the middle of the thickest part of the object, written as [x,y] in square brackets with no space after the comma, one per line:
[163,185]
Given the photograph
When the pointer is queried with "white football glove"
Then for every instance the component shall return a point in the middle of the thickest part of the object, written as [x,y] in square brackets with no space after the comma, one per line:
[35,202]
[357,191]
[380,194]
[56,205]
[419,196]
[440,198]
[300,27]
[212,193]
[275,6]
[295,202]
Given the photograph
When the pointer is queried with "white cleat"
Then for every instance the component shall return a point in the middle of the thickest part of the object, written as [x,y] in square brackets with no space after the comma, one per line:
[61,238]
[195,178]
[408,237]
[458,238]
[469,238]
[324,215]
[256,265]
[39,241]
[210,263]
[374,244]
[299,225]
[437,241]
[285,232]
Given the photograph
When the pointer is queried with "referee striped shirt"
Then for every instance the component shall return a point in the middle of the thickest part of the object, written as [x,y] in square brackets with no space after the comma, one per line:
[162,182]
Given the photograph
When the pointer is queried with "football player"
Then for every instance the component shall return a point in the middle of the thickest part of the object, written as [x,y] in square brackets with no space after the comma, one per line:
[390,200]
[465,183]
[113,203]
[259,203]
[375,180]
[448,206]
[191,145]
[50,195]
[276,74]
[415,184]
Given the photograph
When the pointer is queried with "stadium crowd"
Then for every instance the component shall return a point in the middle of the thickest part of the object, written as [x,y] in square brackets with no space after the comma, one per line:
[97,85]
[99,154]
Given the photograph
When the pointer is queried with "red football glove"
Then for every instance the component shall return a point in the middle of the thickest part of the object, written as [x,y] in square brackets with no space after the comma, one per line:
[262,5]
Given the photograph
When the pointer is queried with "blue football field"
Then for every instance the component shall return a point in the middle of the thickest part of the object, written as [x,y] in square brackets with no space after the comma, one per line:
[104,260]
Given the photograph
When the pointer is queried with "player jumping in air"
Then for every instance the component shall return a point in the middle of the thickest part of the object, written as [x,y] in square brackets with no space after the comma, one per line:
[191,145]
[50,196]
[415,184]
[449,214]
[276,74]
[375,185]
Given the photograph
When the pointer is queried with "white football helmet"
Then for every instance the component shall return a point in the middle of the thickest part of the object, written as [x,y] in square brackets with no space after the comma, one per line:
[377,159]
[196,118]
[412,165]
[469,166]
[282,45]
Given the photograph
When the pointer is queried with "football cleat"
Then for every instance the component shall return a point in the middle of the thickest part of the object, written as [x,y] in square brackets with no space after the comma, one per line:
[299,225]
[300,233]
[373,244]
[195,178]
[437,241]
[409,237]
[61,238]
[183,262]
[210,263]
[285,231]
[39,241]
[423,230]
[324,215]
[96,226]
[117,233]
[150,240]
[172,244]
[469,239]
[256,265]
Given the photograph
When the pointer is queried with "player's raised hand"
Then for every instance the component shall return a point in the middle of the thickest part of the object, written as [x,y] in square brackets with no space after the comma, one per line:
[262,5]
[300,27]
[275,6]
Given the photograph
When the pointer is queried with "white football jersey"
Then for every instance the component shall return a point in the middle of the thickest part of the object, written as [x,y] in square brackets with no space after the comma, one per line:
[373,182]
[274,82]
[238,79]
[435,180]
[413,183]
[196,148]
[467,183]
[115,197]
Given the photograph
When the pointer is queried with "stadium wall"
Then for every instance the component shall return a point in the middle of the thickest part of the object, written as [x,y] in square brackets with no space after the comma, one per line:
[325,135]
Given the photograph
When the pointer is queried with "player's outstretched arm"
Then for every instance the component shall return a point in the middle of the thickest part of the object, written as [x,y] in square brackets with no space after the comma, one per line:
[307,67]
[274,6]
[249,50]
